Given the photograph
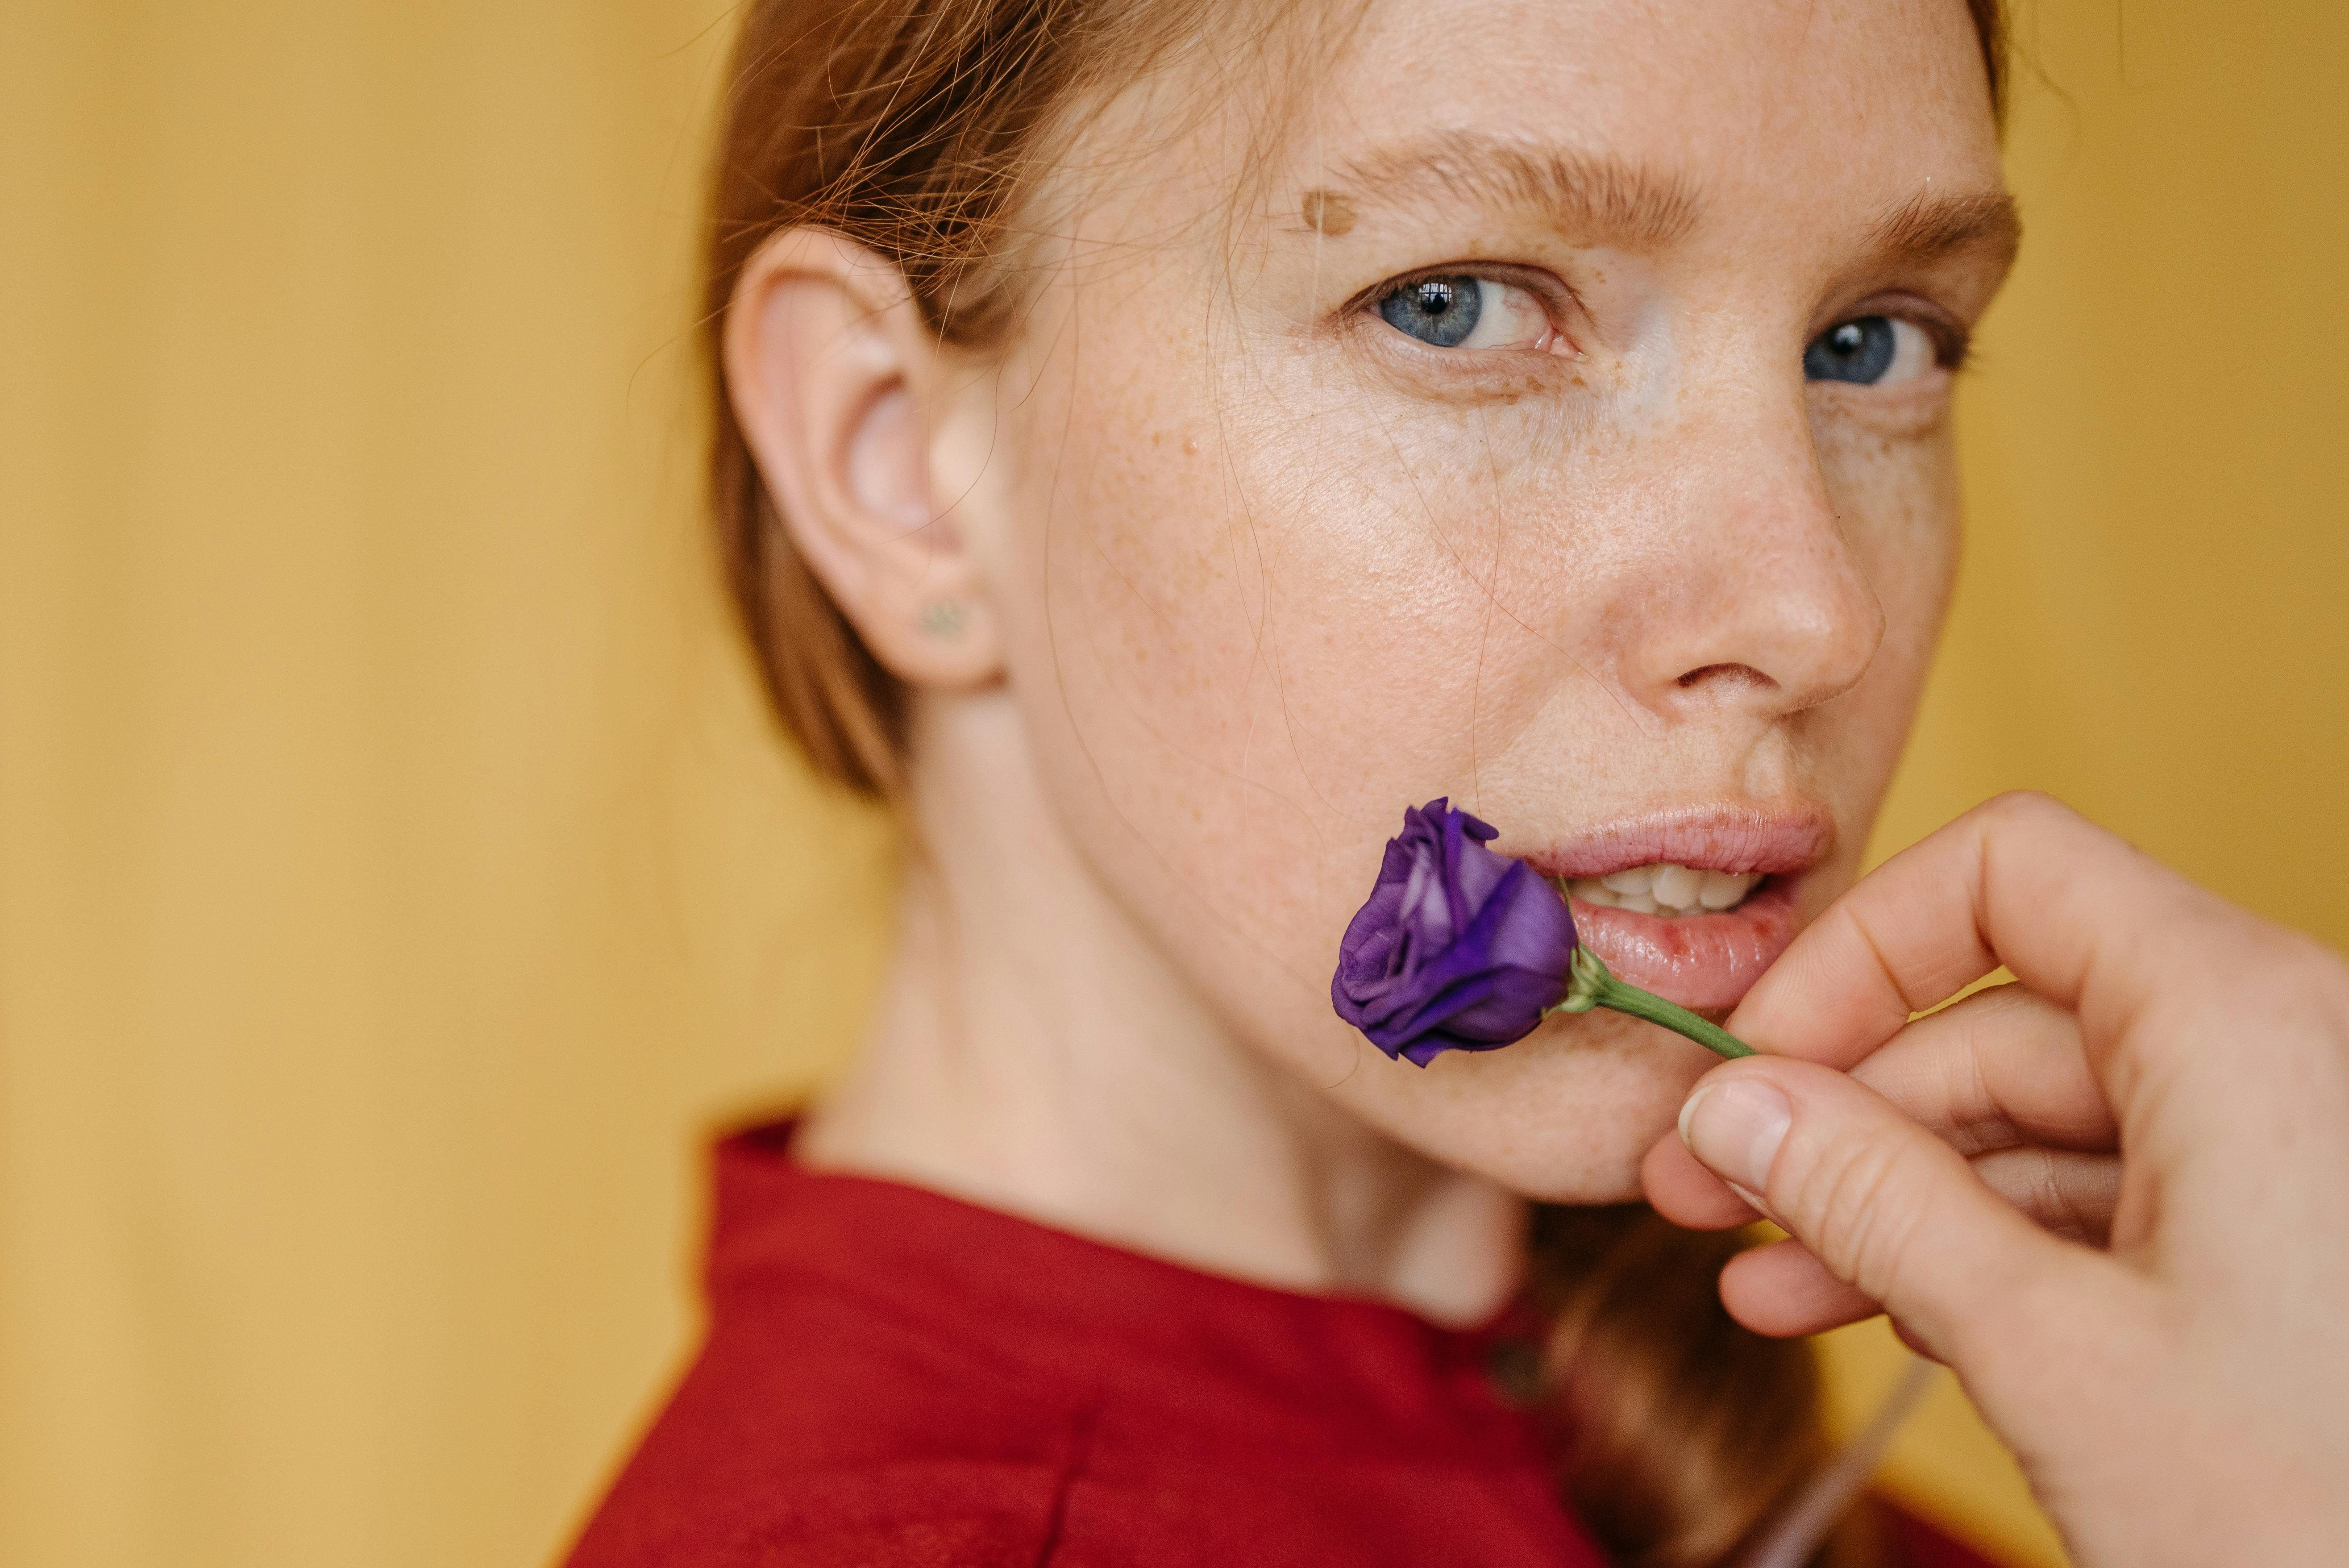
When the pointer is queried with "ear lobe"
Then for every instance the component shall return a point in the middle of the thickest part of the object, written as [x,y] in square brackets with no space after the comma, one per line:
[832,373]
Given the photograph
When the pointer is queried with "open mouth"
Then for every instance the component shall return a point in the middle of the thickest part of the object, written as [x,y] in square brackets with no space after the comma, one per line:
[1660,887]
[1695,906]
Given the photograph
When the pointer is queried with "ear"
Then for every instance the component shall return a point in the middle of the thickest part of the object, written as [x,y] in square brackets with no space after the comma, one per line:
[832,375]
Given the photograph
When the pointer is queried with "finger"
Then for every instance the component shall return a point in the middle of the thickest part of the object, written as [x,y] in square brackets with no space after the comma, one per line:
[2081,917]
[1889,1208]
[2063,1191]
[1783,1290]
[1907,1336]
[2071,1193]
[2002,1068]
[1686,1193]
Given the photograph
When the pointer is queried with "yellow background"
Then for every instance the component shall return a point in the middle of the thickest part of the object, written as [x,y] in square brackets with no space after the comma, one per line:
[398,878]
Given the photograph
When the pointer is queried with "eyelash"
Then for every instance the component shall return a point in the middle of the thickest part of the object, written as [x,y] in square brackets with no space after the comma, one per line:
[1952,344]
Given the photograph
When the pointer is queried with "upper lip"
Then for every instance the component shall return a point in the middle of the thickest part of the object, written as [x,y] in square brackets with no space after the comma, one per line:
[1765,838]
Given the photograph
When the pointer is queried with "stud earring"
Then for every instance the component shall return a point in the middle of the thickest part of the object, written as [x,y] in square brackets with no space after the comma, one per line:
[943,618]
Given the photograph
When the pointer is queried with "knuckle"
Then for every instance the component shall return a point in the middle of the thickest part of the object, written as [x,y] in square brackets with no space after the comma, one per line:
[1861,1228]
[2026,807]
[2057,1205]
[2029,825]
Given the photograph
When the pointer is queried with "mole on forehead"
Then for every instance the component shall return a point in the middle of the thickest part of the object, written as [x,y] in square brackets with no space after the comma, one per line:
[1328,213]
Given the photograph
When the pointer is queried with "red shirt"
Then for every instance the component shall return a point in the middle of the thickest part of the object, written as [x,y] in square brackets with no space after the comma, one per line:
[895,1379]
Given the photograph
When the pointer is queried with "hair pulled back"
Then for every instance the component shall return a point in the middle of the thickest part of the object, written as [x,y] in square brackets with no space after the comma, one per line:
[909,127]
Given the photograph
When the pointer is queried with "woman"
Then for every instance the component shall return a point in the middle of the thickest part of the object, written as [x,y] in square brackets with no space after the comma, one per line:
[1165,438]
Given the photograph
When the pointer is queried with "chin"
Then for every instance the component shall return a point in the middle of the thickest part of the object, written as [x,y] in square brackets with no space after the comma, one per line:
[1564,1115]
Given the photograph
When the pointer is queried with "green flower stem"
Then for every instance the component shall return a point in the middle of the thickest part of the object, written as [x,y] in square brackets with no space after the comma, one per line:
[1591,985]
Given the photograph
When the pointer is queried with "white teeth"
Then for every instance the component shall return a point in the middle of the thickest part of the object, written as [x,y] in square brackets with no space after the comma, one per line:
[1676,885]
[1724,889]
[1664,889]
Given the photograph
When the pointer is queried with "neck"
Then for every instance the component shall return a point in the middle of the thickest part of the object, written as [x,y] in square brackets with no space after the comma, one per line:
[1033,1051]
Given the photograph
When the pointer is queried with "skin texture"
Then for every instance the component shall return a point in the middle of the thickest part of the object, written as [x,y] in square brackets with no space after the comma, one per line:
[1236,570]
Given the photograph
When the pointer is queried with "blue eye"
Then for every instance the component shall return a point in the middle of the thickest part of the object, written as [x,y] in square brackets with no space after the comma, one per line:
[1438,310]
[1859,350]
[1869,350]
[1462,310]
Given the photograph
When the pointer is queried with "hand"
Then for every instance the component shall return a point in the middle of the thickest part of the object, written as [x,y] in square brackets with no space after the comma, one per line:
[2111,1197]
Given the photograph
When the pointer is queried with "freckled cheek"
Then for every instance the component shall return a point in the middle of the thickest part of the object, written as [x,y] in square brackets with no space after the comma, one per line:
[1156,591]
[1897,500]
[1196,574]
[1170,681]
[1296,598]
[1897,495]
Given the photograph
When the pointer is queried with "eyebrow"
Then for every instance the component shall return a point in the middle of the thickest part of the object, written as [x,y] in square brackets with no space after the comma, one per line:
[1928,228]
[1605,200]
[1600,198]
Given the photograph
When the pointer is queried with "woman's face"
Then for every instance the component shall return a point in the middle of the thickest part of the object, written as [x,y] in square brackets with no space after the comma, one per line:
[1560,423]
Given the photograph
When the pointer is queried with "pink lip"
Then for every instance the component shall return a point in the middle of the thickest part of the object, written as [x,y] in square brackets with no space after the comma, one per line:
[1698,961]
[1709,838]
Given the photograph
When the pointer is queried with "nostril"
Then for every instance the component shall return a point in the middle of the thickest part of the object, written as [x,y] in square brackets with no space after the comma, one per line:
[1727,675]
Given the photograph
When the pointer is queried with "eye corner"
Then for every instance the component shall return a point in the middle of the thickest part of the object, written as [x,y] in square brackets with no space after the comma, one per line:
[1954,348]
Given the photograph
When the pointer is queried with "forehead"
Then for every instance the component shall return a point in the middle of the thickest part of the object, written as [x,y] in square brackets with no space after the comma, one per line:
[1713,100]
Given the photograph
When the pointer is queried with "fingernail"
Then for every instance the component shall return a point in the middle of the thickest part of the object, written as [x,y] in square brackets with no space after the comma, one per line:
[1735,1129]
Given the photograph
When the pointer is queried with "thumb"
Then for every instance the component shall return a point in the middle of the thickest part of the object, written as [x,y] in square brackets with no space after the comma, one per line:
[1889,1208]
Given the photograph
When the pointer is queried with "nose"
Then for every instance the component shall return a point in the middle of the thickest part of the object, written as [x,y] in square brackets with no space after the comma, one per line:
[1756,601]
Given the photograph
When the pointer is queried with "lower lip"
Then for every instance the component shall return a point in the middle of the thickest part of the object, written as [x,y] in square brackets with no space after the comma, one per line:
[1698,961]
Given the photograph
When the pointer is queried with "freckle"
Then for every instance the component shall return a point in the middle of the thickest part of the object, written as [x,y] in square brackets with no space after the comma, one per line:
[1328,212]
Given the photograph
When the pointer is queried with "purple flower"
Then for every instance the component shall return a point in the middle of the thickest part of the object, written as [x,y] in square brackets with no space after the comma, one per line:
[1458,949]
